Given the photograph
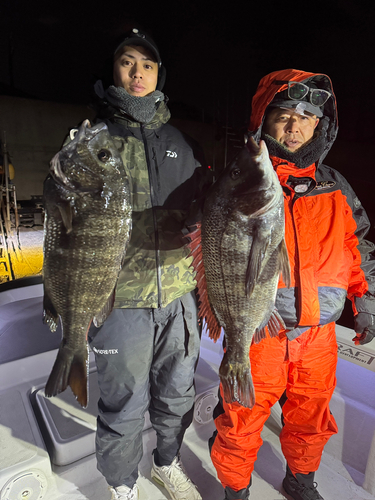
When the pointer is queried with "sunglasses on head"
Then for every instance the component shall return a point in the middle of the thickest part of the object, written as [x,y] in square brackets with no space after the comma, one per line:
[298,91]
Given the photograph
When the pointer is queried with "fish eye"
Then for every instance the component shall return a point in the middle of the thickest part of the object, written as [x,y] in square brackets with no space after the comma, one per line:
[104,155]
[235,173]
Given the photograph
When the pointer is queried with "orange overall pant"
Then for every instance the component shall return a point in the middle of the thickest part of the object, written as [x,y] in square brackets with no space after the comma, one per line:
[306,368]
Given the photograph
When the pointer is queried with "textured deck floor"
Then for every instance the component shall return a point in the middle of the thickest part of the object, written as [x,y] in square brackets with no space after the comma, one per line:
[83,482]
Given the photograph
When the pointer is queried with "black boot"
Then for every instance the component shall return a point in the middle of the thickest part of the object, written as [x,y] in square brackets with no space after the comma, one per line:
[301,486]
[243,494]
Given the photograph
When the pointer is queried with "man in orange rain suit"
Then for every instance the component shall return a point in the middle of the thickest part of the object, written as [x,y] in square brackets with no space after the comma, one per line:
[294,112]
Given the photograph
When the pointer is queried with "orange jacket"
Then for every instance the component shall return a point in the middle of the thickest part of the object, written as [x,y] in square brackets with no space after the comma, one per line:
[325,223]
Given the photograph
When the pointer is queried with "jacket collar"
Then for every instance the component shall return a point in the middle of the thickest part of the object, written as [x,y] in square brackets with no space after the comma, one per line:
[294,178]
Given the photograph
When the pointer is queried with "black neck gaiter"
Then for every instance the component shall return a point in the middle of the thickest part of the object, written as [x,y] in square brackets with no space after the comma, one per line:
[141,109]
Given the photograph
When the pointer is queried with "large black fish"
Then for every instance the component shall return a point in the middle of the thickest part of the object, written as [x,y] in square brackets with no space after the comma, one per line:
[243,248]
[87,201]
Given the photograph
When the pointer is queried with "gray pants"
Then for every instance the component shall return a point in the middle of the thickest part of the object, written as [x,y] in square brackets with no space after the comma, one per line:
[146,359]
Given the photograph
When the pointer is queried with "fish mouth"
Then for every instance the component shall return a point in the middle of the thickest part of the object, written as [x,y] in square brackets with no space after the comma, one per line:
[85,133]
[86,129]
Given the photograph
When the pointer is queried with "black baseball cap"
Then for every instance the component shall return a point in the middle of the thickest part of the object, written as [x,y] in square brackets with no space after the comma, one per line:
[298,106]
[136,37]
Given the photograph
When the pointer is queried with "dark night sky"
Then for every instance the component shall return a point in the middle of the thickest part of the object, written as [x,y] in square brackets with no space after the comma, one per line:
[212,54]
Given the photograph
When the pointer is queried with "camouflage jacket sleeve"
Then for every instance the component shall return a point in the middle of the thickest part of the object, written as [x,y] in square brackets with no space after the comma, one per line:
[204,180]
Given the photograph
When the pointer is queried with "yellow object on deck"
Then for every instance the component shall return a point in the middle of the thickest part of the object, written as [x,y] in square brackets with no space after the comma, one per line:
[24,253]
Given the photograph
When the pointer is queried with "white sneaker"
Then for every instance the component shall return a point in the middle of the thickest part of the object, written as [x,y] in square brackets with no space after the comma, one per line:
[124,492]
[173,477]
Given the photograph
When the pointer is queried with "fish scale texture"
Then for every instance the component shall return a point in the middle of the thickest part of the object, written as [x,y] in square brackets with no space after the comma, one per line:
[229,244]
[80,274]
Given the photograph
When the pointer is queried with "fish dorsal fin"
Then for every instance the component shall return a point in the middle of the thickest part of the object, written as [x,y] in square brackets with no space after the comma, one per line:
[204,307]
[284,263]
[258,251]
[274,324]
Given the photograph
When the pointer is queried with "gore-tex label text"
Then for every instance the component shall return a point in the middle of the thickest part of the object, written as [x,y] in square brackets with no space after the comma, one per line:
[105,351]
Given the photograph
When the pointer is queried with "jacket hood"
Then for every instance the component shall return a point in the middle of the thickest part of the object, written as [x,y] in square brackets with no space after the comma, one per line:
[327,128]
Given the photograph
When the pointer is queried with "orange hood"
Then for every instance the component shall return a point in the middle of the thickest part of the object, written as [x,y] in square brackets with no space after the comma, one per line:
[267,90]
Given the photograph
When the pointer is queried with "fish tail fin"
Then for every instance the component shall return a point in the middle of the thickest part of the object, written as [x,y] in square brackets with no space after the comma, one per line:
[237,382]
[78,379]
[69,369]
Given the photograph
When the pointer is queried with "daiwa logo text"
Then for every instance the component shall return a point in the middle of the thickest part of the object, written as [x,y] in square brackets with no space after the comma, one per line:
[172,154]
[324,185]
[105,351]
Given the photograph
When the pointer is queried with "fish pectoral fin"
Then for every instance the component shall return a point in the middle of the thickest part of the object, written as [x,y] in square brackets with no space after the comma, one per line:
[254,267]
[66,213]
[274,324]
[99,318]
[284,263]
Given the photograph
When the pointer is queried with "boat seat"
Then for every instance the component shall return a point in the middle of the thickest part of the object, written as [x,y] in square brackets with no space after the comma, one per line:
[22,331]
